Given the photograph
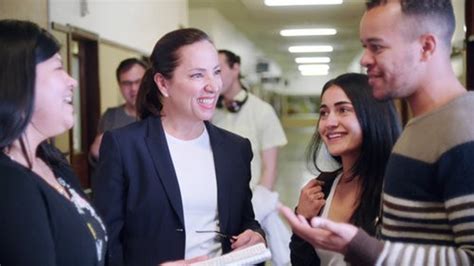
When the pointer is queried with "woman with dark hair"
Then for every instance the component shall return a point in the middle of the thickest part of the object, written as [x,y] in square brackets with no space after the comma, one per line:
[358,132]
[166,184]
[45,219]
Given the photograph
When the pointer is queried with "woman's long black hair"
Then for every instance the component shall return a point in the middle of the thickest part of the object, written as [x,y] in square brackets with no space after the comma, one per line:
[381,127]
[23,45]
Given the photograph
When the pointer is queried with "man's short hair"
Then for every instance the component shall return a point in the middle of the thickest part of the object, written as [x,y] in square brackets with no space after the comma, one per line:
[231,57]
[435,15]
[127,64]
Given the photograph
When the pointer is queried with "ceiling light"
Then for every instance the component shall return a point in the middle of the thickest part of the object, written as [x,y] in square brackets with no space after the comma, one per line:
[321,72]
[310,49]
[301,2]
[305,60]
[315,67]
[307,32]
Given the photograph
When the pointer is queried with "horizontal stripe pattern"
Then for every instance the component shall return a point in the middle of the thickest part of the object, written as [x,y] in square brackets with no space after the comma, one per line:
[428,197]
[426,232]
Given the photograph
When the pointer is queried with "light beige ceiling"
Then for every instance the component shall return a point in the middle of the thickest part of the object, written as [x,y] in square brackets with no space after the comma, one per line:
[262,24]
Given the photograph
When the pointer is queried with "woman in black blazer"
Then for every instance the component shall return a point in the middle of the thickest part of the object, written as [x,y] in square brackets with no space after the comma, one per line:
[44,217]
[164,178]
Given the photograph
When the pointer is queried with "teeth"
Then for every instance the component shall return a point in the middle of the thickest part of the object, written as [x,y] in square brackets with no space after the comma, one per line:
[334,135]
[68,99]
[206,101]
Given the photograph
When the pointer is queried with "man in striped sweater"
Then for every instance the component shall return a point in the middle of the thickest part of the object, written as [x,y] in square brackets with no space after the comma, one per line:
[428,196]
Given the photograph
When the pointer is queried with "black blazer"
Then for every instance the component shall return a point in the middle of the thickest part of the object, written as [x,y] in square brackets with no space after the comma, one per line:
[137,192]
[38,226]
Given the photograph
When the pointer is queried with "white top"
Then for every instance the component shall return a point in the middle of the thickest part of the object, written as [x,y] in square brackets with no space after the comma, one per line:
[194,166]
[256,121]
[329,258]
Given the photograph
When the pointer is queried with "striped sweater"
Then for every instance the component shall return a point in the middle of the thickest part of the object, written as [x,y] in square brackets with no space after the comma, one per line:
[428,199]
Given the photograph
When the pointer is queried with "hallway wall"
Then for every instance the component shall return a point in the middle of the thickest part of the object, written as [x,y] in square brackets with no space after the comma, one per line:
[15,9]
[226,36]
[137,24]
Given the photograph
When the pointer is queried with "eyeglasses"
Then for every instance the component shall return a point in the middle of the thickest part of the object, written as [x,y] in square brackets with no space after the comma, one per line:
[220,235]
[129,83]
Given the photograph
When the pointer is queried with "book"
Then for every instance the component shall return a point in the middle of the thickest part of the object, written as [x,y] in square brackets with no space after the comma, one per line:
[246,256]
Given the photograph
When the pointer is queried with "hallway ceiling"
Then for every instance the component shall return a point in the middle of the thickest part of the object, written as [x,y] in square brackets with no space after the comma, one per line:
[262,24]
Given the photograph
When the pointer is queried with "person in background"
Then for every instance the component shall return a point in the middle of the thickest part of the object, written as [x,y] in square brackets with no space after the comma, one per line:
[129,75]
[241,112]
[167,183]
[45,217]
[359,133]
[428,193]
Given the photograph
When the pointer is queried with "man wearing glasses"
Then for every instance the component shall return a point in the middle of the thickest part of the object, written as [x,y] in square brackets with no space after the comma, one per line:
[129,76]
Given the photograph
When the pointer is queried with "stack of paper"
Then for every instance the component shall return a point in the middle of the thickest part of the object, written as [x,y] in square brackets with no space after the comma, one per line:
[247,256]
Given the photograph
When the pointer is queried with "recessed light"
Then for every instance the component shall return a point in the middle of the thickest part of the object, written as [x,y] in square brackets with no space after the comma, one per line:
[307,32]
[301,2]
[310,49]
[315,67]
[305,60]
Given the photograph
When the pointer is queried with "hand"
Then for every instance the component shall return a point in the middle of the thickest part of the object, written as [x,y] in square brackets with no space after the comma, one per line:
[184,262]
[95,147]
[311,199]
[322,233]
[246,239]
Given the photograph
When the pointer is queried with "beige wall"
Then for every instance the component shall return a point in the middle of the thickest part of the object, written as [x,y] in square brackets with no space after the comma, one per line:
[112,20]
[33,10]
[110,56]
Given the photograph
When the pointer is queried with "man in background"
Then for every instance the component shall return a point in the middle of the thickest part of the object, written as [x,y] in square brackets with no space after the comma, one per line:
[129,75]
[241,112]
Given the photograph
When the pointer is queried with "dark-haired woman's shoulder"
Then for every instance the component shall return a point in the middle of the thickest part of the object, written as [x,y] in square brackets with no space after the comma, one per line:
[13,176]
[23,215]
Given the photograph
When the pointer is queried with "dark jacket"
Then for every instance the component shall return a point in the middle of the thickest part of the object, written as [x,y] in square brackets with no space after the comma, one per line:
[302,252]
[137,192]
[38,226]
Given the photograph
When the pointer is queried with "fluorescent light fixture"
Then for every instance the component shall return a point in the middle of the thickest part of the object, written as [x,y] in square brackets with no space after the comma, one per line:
[307,32]
[310,49]
[313,60]
[315,67]
[314,72]
[301,2]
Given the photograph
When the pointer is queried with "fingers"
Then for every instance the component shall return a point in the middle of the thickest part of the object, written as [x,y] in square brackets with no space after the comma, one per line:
[317,195]
[310,202]
[344,231]
[288,214]
[196,259]
[313,183]
[247,238]
[318,222]
[327,224]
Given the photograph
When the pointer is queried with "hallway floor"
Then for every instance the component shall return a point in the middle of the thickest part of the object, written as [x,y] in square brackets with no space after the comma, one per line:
[292,171]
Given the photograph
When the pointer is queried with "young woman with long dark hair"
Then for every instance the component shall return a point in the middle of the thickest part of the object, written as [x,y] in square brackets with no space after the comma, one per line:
[358,132]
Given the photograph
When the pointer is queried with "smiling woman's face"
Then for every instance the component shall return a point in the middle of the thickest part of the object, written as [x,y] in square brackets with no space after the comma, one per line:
[53,111]
[194,87]
[338,126]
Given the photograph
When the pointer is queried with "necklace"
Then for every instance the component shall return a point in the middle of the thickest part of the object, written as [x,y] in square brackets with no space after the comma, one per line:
[46,170]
